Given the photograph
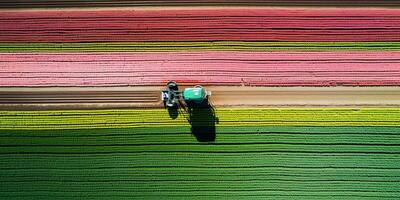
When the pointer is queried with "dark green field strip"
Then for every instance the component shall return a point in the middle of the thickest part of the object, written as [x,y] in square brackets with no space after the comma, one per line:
[229,140]
[185,130]
[167,160]
[165,174]
[222,139]
[193,46]
[198,174]
[258,194]
[190,174]
[205,149]
[187,186]
[225,136]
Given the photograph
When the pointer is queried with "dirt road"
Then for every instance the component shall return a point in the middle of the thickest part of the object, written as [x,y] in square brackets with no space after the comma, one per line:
[222,96]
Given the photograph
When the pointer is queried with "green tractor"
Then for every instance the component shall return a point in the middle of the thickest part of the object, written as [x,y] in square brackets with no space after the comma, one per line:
[191,96]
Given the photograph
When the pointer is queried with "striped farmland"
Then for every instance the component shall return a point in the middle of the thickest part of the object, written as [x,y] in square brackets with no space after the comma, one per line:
[113,154]
[264,24]
[226,152]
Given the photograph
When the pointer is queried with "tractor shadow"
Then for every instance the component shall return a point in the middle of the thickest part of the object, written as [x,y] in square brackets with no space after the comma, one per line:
[201,117]
[202,120]
[173,112]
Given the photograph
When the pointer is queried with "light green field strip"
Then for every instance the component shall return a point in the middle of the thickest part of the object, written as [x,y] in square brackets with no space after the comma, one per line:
[193,46]
[87,119]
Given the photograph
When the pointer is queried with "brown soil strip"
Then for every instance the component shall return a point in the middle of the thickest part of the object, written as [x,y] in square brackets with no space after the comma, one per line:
[222,96]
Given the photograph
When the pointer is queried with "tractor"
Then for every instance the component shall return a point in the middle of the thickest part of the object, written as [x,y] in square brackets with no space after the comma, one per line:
[194,105]
[191,96]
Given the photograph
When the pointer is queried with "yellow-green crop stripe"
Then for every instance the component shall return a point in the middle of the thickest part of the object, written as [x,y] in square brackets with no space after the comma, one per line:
[193,46]
[89,119]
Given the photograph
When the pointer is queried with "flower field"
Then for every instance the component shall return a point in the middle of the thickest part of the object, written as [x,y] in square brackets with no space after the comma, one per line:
[306,99]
